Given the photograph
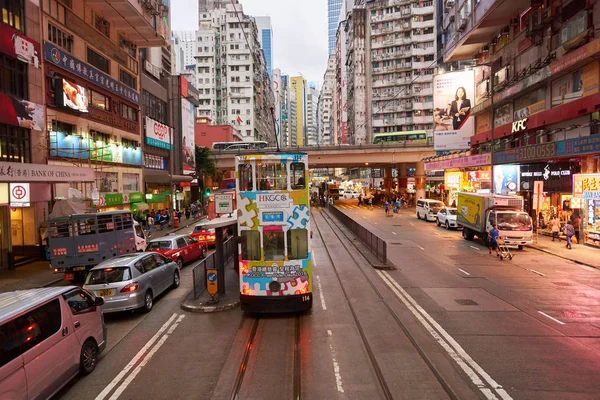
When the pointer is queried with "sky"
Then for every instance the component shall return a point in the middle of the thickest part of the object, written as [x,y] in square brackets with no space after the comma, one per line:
[299,31]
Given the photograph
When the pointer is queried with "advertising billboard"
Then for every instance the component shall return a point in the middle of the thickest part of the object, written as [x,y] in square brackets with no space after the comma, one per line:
[73,96]
[453,124]
[187,136]
[19,46]
[157,134]
[470,208]
[575,85]
[529,104]
[23,113]
[506,179]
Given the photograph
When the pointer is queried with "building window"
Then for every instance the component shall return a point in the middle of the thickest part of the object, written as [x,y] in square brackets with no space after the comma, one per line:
[128,79]
[13,77]
[98,61]
[13,13]
[129,113]
[60,38]
[99,100]
[128,46]
[154,162]
[15,144]
[102,25]
[154,107]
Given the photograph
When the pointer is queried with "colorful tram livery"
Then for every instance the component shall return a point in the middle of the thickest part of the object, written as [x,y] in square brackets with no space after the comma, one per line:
[274,255]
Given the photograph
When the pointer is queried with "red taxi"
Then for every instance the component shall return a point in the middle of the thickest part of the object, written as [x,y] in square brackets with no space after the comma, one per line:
[179,248]
[207,235]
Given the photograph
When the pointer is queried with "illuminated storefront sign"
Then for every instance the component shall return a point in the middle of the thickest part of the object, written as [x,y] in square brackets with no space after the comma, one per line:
[586,186]
[519,125]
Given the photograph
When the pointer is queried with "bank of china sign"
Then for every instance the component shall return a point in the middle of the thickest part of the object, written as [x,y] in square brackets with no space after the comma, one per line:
[157,134]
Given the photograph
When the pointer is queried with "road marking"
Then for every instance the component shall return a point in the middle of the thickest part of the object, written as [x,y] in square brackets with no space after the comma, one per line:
[421,247]
[537,272]
[588,268]
[412,224]
[336,366]
[447,342]
[394,233]
[464,272]
[323,306]
[146,359]
[552,318]
[475,247]
[135,359]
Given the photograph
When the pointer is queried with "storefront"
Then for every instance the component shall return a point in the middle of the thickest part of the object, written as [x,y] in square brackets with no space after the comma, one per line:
[25,197]
[586,190]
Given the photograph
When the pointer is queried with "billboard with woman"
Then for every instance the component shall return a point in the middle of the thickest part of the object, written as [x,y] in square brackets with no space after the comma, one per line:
[452,121]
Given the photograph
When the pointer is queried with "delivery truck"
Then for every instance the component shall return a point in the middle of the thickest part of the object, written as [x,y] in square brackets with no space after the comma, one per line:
[333,191]
[478,212]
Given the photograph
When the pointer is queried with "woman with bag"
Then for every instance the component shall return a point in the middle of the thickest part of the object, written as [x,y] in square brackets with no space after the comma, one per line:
[569,233]
[556,229]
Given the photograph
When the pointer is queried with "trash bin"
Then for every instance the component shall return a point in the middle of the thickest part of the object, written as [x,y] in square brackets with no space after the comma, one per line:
[175,222]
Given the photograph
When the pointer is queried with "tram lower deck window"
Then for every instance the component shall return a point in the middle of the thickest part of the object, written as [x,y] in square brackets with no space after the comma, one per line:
[250,245]
[274,245]
[297,244]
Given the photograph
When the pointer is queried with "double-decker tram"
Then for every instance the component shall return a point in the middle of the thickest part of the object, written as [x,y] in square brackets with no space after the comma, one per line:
[274,255]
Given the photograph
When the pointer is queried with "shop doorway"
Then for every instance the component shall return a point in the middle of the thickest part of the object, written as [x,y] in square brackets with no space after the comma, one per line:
[23,232]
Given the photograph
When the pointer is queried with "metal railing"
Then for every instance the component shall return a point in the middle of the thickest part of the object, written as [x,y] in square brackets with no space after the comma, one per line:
[199,271]
[377,245]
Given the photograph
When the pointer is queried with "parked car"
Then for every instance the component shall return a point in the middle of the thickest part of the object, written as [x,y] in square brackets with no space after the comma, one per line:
[132,281]
[179,248]
[207,235]
[427,209]
[350,195]
[447,217]
[47,337]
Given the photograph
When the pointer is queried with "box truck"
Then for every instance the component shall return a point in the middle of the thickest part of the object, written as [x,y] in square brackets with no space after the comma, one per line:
[478,212]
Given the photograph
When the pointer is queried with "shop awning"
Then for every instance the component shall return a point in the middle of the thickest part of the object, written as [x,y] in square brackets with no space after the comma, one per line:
[140,206]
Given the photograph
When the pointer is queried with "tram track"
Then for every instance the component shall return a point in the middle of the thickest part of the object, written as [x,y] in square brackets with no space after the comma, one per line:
[377,369]
[257,353]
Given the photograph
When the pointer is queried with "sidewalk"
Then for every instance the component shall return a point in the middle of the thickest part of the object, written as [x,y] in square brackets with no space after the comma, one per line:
[580,254]
[38,273]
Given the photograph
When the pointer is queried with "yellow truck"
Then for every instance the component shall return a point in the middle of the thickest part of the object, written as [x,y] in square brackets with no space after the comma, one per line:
[477,212]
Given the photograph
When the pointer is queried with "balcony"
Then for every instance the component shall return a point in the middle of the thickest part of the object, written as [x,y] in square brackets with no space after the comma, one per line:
[382,43]
[135,18]
[423,78]
[422,64]
[422,10]
[487,19]
[423,24]
[422,120]
[422,105]
[424,38]
[420,51]
[385,17]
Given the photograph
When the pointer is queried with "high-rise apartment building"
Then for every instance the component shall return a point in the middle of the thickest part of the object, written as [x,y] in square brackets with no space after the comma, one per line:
[231,76]
[312,115]
[298,93]
[265,38]
[334,7]
[326,103]
[402,63]
[184,45]
[358,94]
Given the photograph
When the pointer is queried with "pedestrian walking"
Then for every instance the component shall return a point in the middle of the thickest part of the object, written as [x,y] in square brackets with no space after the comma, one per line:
[360,200]
[493,236]
[556,229]
[569,233]
[371,203]
[150,223]
[386,206]
[187,213]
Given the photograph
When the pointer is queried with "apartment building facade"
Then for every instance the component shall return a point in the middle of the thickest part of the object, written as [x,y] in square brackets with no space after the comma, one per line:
[536,102]
[312,115]
[326,102]
[298,90]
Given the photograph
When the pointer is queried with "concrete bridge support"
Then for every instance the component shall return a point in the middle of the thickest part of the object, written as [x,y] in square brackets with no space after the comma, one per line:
[420,180]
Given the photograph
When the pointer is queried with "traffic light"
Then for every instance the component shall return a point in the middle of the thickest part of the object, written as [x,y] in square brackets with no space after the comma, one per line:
[207,192]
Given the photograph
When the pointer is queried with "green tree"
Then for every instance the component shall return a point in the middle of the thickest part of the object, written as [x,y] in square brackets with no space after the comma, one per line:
[205,167]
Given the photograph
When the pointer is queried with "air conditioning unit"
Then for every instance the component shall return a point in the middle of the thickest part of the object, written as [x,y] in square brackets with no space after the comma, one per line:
[462,24]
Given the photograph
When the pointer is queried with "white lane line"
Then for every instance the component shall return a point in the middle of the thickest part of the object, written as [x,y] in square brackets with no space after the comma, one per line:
[394,233]
[412,224]
[323,306]
[475,247]
[552,318]
[145,361]
[336,366]
[537,272]
[451,346]
[421,247]
[464,272]
[135,359]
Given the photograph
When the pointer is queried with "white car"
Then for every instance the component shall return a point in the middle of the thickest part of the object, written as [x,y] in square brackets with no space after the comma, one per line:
[350,195]
[447,217]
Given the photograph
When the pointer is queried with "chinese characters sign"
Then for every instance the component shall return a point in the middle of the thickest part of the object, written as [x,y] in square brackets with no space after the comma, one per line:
[66,61]
[157,134]
[586,186]
[18,172]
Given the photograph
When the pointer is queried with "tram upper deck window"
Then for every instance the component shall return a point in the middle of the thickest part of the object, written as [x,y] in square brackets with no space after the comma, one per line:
[271,176]
[297,244]
[250,245]
[245,174]
[274,245]
[298,178]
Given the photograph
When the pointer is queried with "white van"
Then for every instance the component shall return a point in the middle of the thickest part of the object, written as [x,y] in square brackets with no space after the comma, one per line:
[141,241]
[47,337]
[427,209]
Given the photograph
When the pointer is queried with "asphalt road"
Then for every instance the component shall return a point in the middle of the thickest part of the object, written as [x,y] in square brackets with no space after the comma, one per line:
[449,322]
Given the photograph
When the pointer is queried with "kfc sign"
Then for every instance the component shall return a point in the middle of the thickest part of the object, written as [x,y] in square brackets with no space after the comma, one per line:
[157,134]
[519,125]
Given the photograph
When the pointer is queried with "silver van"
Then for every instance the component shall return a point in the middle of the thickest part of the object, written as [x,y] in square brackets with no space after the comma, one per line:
[427,209]
[47,337]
